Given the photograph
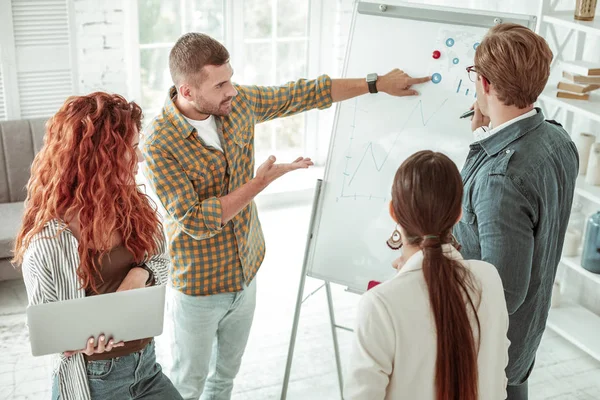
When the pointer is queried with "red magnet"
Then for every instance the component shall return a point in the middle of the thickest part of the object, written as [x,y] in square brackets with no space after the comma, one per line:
[437,54]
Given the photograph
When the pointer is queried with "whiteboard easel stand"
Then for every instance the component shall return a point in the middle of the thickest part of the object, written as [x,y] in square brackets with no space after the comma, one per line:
[477,18]
[300,300]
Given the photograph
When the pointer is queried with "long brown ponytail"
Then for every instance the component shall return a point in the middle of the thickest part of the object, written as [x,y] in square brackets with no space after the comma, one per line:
[426,200]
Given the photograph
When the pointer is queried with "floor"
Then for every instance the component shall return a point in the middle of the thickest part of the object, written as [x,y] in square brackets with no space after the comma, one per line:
[562,371]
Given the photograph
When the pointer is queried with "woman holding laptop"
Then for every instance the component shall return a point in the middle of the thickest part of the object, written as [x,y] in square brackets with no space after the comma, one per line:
[89,230]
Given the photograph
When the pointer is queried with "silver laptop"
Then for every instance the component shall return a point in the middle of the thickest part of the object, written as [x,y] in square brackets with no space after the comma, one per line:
[67,325]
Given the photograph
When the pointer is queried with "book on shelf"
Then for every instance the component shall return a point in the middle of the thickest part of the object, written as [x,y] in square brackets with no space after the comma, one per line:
[585,68]
[575,88]
[573,96]
[575,78]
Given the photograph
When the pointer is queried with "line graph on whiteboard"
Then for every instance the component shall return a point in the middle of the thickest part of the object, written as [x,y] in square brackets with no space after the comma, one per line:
[368,158]
[381,132]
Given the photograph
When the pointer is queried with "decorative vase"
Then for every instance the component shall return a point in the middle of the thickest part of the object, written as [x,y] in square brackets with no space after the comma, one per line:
[592,176]
[585,10]
[555,300]
[584,142]
[571,244]
[590,256]
[575,229]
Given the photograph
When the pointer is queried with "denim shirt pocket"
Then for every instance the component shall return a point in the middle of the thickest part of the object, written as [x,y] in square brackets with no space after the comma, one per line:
[468,217]
[500,165]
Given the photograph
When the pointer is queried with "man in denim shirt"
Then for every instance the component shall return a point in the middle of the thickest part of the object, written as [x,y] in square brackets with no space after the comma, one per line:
[519,181]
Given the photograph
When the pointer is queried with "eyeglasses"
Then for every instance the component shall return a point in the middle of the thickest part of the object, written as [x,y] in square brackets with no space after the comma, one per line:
[473,74]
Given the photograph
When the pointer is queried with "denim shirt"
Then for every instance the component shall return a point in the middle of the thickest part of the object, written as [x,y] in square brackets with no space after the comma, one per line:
[518,191]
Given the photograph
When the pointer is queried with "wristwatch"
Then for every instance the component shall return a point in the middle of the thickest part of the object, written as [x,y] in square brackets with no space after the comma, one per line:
[150,273]
[372,82]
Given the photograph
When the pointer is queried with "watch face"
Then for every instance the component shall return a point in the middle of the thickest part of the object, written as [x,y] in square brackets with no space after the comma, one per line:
[371,77]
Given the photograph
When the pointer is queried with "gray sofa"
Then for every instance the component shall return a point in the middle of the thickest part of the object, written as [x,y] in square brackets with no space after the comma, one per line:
[19,142]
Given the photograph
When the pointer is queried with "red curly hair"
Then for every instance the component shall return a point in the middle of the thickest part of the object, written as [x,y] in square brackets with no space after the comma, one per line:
[86,169]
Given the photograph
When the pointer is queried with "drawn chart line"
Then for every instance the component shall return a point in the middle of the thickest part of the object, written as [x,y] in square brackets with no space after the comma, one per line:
[369,148]
[362,196]
[348,156]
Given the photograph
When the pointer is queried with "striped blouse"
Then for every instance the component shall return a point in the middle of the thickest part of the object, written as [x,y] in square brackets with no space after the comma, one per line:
[50,273]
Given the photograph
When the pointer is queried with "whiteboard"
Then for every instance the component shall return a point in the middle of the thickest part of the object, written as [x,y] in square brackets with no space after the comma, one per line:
[373,134]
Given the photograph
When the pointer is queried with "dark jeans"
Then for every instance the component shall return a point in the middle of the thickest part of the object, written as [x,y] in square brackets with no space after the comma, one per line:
[518,392]
[135,376]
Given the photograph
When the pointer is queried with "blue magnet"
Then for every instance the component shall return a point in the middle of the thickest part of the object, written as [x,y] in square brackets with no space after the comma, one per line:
[475,45]
[449,42]
[455,61]
[436,78]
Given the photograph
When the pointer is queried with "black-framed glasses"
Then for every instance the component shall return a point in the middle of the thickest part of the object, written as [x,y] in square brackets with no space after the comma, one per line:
[473,74]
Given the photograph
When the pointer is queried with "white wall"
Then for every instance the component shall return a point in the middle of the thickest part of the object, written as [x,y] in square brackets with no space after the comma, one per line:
[100,42]
[102,29]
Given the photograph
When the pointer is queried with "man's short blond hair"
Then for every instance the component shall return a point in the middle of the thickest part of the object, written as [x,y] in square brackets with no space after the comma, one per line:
[516,61]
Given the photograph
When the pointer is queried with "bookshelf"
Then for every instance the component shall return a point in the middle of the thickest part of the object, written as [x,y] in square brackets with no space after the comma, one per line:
[572,321]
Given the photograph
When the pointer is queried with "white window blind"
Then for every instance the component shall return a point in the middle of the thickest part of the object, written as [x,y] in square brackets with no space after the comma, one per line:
[38,58]
[2,101]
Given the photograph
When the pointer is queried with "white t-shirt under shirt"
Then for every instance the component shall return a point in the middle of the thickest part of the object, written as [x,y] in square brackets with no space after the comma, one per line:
[207,131]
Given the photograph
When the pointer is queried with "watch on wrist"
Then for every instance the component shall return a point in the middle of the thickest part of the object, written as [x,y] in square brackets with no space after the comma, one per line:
[372,82]
[150,273]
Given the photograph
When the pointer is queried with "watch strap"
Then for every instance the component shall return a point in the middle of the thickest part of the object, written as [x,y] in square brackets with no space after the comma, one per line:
[150,273]
[372,86]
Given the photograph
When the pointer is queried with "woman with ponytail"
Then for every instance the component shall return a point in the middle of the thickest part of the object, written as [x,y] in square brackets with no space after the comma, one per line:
[437,330]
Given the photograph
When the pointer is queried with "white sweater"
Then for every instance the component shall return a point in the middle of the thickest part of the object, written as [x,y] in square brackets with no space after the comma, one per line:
[395,344]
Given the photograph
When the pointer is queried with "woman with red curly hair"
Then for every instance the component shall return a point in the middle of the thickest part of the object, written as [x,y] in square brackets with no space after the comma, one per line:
[89,230]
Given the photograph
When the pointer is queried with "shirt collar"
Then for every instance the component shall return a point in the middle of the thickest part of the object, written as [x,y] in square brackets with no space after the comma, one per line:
[172,113]
[415,262]
[485,132]
[511,131]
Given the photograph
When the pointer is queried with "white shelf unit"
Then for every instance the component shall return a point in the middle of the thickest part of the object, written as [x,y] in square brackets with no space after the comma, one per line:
[573,322]
[590,192]
[588,108]
[578,325]
[575,264]
[565,19]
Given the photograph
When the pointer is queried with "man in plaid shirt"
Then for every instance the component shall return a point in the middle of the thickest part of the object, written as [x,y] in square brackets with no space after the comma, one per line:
[200,163]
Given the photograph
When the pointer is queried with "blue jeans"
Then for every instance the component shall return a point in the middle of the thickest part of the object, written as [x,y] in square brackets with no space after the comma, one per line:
[135,376]
[209,338]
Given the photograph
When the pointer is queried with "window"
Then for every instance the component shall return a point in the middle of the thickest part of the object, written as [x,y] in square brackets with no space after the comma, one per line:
[2,101]
[275,51]
[36,74]
[161,23]
[269,45]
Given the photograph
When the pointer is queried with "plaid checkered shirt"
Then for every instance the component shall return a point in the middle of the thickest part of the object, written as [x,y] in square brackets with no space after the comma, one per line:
[188,179]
